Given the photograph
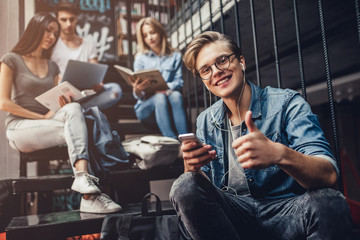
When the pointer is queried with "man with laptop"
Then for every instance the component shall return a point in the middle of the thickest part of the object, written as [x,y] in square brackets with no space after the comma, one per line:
[72,47]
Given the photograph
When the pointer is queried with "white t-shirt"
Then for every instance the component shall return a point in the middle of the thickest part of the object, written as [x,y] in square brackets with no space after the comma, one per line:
[237,182]
[62,54]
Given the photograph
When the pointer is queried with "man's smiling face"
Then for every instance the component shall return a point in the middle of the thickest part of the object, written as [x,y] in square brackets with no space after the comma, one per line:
[222,83]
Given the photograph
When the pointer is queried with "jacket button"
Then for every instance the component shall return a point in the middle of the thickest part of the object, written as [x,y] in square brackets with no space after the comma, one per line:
[251,179]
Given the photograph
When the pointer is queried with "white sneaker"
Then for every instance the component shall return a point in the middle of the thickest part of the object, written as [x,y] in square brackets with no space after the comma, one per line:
[99,204]
[84,183]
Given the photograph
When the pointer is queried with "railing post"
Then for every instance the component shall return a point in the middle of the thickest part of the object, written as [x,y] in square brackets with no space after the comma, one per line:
[188,96]
[211,17]
[277,64]
[330,93]
[237,25]
[194,78]
[222,17]
[357,10]
[253,24]
[200,26]
[298,43]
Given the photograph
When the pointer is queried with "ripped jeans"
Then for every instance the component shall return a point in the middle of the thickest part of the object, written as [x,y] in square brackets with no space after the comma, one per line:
[210,213]
[110,95]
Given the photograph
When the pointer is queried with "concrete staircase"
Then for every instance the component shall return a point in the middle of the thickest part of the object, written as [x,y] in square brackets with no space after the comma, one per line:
[123,119]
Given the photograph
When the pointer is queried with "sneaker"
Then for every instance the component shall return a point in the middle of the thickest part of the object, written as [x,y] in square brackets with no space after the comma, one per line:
[99,204]
[84,183]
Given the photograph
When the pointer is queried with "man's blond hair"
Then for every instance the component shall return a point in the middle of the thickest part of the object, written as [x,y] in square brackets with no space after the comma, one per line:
[203,39]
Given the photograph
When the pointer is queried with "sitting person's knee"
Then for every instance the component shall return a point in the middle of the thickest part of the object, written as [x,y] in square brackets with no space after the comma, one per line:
[160,98]
[187,187]
[176,96]
[115,90]
[72,107]
[327,202]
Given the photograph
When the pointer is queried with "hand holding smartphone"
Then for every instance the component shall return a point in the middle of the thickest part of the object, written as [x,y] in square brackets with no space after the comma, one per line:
[189,137]
[195,156]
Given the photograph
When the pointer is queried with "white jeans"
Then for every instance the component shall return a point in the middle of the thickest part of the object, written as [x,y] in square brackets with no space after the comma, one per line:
[67,126]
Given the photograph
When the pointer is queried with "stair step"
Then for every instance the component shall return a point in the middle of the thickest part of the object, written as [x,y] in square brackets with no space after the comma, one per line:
[127,99]
[54,182]
[41,183]
[126,112]
[133,127]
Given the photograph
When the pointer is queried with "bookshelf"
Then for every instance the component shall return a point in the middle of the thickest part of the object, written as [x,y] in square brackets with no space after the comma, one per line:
[160,10]
[127,14]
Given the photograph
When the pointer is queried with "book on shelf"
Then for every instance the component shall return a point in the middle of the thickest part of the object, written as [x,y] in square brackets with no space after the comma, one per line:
[50,98]
[122,25]
[153,75]
[125,46]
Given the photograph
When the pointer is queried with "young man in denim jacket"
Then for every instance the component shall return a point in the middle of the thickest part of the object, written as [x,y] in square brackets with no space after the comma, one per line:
[265,170]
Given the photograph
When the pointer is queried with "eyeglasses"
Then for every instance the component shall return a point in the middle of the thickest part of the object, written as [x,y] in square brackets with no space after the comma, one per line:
[222,63]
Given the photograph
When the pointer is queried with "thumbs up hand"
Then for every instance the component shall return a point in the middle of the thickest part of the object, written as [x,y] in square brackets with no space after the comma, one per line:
[254,150]
[250,123]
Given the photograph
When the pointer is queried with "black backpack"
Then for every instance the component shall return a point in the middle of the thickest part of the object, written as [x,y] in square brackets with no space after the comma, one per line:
[158,225]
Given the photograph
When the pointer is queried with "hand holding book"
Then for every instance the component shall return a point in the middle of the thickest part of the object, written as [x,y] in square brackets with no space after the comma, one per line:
[153,76]
[140,86]
[97,88]
[63,100]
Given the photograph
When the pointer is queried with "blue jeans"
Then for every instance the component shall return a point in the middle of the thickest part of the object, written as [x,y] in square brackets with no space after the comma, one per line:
[210,213]
[166,111]
[108,97]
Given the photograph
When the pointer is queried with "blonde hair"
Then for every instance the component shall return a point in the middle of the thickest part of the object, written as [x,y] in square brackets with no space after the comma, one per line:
[203,39]
[142,47]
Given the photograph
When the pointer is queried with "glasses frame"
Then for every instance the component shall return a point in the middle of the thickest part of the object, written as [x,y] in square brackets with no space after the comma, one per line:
[210,67]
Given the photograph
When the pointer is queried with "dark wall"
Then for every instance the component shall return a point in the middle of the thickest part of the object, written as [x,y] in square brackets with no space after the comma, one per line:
[348,119]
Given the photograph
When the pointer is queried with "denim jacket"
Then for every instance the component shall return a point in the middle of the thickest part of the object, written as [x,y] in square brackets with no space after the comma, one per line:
[283,116]
[170,67]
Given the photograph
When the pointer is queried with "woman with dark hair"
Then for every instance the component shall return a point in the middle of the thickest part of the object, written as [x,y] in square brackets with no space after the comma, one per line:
[27,72]
[33,36]
[164,107]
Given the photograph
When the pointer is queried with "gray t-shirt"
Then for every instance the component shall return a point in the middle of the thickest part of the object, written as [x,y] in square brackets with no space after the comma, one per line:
[237,182]
[27,86]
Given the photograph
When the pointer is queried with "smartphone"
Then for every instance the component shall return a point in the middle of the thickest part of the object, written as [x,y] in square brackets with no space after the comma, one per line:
[189,137]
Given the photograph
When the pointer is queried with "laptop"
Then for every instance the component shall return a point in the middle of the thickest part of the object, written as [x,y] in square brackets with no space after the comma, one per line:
[84,75]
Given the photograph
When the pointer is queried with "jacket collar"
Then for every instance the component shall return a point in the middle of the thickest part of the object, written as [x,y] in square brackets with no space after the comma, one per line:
[218,111]
[255,104]
[149,53]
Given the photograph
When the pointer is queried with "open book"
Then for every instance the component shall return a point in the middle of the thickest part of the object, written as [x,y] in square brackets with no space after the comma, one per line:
[157,81]
[50,98]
